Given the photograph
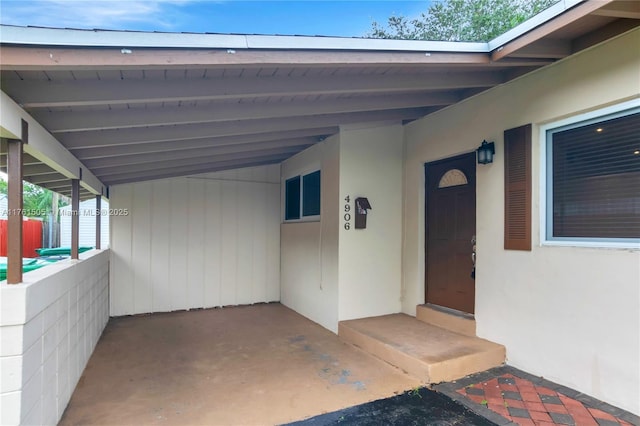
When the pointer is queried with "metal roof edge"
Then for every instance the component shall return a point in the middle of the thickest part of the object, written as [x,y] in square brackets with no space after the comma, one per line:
[130,39]
[107,38]
[533,22]
[337,43]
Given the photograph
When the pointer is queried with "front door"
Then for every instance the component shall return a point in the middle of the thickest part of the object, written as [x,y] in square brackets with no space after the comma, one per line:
[451,227]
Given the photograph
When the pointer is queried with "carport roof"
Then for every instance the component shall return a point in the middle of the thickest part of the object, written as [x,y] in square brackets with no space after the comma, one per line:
[135,106]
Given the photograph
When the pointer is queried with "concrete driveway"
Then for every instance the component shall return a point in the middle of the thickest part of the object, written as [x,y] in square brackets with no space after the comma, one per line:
[253,365]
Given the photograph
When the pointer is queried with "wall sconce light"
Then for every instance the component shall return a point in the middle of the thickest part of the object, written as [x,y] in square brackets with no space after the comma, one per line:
[486,151]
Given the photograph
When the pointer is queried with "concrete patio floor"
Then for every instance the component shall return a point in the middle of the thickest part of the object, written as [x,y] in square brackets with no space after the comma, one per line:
[253,365]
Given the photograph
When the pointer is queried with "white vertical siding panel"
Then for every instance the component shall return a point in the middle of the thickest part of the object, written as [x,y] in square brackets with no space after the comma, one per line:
[160,242]
[178,245]
[121,298]
[196,242]
[213,244]
[259,217]
[229,243]
[244,238]
[141,215]
[212,240]
[272,222]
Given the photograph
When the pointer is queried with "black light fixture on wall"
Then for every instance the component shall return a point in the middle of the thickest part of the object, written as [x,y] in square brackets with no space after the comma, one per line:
[486,151]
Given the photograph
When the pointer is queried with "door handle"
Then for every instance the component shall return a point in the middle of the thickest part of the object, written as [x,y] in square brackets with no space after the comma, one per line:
[473,257]
[473,250]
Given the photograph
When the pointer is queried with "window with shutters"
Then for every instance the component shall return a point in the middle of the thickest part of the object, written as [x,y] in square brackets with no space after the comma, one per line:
[593,180]
[517,172]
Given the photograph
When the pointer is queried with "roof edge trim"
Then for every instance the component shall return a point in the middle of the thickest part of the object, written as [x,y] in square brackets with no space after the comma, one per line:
[137,39]
[533,22]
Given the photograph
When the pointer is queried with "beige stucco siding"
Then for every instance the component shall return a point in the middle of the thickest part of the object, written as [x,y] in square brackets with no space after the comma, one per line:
[371,258]
[571,314]
[309,250]
[330,273]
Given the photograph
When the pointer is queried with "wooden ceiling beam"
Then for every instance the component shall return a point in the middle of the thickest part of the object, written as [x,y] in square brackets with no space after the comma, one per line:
[85,120]
[37,169]
[547,48]
[98,163]
[105,138]
[189,170]
[49,94]
[613,29]
[193,162]
[48,178]
[627,9]
[178,145]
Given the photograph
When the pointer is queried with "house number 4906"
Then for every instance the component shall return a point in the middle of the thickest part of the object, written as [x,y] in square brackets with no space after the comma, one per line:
[347,213]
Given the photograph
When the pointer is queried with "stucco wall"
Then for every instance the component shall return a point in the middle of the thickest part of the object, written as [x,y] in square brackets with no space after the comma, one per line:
[49,326]
[309,250]
[198,242]
[570,314]
[330,274]
[370,259]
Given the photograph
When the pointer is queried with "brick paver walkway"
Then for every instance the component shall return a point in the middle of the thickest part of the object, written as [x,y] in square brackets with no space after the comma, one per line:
[532,401]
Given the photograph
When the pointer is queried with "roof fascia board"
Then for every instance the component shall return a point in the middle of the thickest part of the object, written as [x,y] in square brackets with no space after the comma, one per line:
[336,43]
[122,39]
[533,22]
[132,39]
[43,146]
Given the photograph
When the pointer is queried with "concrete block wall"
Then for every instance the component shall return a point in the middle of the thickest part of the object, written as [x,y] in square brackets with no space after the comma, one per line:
[49,326]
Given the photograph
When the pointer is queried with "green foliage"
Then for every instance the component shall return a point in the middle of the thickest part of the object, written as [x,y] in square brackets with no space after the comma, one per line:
[36,201]
[461,20]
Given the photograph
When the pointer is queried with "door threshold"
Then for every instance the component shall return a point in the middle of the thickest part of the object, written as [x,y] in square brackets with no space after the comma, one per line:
[447,318]
[450,311]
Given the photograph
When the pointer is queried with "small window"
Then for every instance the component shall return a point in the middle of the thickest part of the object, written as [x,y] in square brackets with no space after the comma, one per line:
[593,180]
[311,194]
[292,199]
[302,196]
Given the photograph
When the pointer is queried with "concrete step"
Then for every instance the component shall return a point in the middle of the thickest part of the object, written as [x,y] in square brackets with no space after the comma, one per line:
[449,320]
[426,352]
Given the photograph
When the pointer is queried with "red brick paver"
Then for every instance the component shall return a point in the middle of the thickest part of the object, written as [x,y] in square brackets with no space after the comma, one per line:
[524,403]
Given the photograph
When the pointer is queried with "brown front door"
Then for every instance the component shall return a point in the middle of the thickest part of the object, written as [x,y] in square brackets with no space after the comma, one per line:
[451,225]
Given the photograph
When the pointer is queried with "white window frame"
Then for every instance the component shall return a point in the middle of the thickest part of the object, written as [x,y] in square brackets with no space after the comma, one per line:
[546,184]
[301,175]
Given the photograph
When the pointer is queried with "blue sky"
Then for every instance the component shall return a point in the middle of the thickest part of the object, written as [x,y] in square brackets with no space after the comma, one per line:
[347,18]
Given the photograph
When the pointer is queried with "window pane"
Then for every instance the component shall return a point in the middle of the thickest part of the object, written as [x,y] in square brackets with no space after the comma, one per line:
[292,198]
[596,179]
[311,194]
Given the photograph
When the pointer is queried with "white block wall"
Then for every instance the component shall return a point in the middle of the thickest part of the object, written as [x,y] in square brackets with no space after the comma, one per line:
[49,326]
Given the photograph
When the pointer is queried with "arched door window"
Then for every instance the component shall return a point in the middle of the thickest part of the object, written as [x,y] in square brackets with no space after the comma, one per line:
[453,177]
